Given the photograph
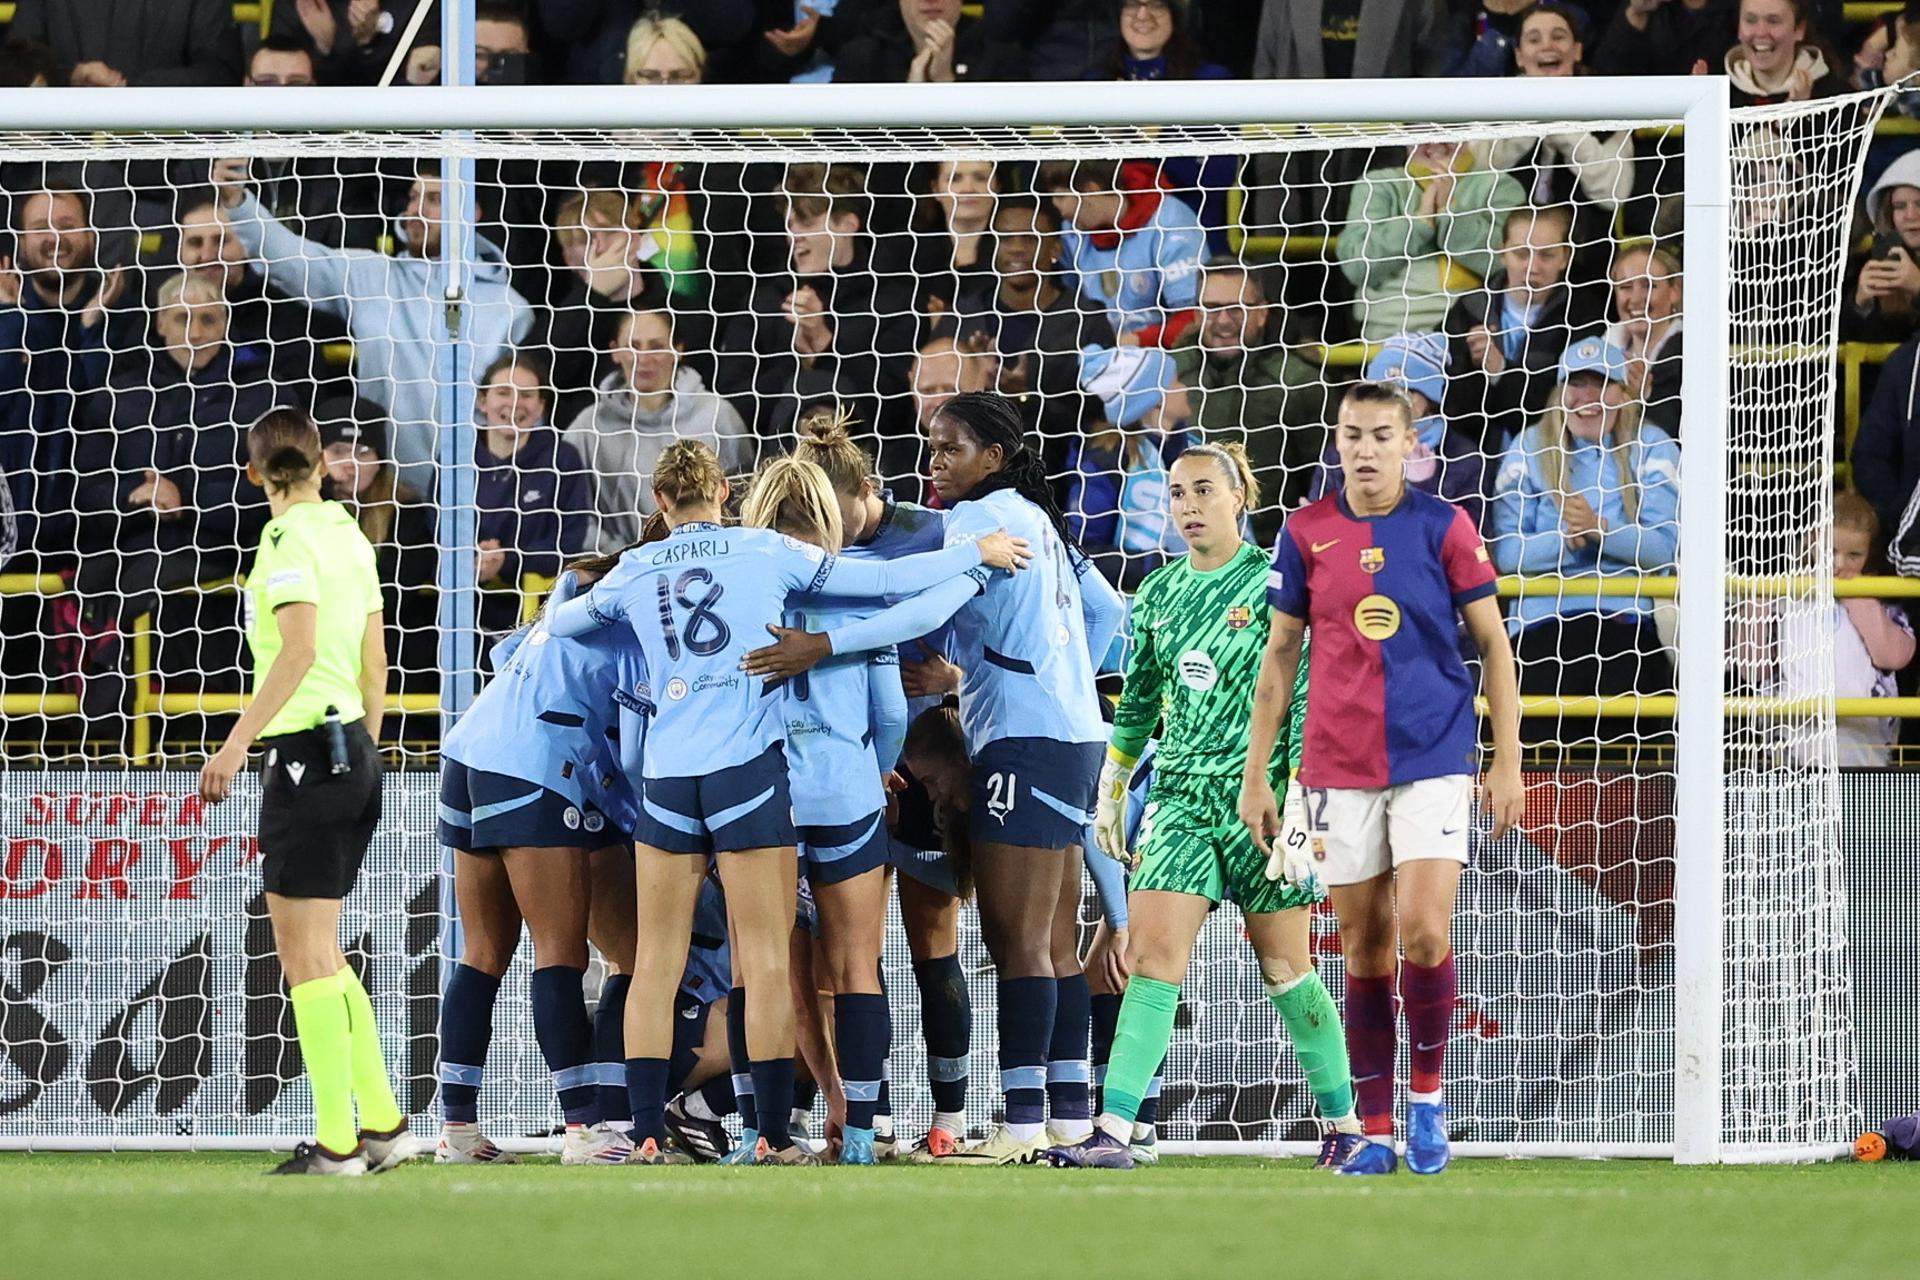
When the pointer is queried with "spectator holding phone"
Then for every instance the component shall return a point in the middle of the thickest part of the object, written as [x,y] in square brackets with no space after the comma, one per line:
[1886,279]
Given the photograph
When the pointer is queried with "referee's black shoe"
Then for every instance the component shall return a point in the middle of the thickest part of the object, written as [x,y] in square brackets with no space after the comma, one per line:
[389,1150]
[311,1157]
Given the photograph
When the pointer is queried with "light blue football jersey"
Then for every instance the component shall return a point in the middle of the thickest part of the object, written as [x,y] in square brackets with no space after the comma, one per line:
[832,772]
[698,601]
[1022,640]
[544,715]
[605,783]
[905,530]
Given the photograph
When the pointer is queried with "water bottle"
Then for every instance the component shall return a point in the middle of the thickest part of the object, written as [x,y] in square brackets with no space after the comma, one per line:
[337,743]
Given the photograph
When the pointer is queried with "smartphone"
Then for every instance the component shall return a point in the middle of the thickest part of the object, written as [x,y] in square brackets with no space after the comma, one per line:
[1884,243]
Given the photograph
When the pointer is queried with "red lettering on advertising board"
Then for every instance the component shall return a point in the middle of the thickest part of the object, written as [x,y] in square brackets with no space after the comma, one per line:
[49,864]
[107,865]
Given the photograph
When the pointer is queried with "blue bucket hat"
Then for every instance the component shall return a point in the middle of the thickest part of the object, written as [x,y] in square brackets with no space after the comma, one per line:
[1594,355]
[1128,381]
[1412,362]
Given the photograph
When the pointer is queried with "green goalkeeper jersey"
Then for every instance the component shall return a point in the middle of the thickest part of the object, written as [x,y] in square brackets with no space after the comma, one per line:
[1197,643]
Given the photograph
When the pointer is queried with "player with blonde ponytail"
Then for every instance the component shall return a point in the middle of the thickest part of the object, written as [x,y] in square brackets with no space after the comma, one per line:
[1199,630]
[696,600]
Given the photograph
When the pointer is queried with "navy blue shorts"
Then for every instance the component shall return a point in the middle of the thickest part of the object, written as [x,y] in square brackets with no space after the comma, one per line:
[1033,792]
[483,812]
[743,807]
[931,867]
[836,853]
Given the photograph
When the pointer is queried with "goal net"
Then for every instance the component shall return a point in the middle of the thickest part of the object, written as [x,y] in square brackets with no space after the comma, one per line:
[501,321]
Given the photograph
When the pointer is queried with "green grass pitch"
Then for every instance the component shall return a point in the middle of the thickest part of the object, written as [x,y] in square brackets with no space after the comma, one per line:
[209,1216]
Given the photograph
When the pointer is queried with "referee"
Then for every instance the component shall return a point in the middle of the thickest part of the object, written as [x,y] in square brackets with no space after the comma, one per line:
[315,624]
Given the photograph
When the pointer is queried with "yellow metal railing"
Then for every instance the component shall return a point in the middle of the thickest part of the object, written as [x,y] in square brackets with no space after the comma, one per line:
[1667,587]
[1627,706]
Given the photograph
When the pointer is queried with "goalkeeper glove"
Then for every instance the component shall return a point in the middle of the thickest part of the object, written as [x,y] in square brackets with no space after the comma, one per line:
[1110,810]
[1291,858]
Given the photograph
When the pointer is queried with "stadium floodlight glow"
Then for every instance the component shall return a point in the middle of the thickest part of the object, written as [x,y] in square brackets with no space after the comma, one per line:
[1708,1023]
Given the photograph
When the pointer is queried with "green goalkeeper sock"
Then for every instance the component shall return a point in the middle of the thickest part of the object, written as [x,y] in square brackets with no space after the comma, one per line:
[379,1111]
[1139,1044]
[1321,1043]
[326,1042]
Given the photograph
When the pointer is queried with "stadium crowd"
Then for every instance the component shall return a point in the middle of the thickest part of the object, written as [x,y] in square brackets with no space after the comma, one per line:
[1525,293]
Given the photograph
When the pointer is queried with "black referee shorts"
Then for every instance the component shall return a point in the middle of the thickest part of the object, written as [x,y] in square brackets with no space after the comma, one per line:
[315,825]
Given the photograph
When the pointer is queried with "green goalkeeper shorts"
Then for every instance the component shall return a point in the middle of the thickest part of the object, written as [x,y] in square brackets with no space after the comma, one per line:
[1192,841]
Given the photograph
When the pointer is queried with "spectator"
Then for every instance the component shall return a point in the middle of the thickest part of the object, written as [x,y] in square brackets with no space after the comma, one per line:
[1507,337]
[664,51]
[393,307]
[1248,384]
[162,460]
[1492,38]
[1154,45]
[1588,490]
[351,40]
[400,525]
[532,490]
[919,42]
[1886,451]
[610,274]
[276,340]
[588,41]
[1135,250]
[1889,54]
[1033,317]
[1780,57]
[1444,462]
[1589,171]
[1885,280]
[59,335]
[952,242]
[162,494]
[1667,37]
[1421,232]
[649,401]
[26,64]
[1786,653]
[1117,471]
[1646,308]
[1049,39]
[502,45]
[1355,39]
[142,42]
[836,323]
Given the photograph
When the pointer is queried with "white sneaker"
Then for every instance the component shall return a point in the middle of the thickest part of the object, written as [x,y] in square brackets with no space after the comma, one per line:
[385,1151]
[595,1144]
[1001,1147]
[465,1144]
[1145,1145]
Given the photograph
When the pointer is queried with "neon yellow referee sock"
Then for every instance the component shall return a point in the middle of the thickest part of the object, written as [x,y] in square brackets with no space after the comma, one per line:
[371,1088]
[320,1018]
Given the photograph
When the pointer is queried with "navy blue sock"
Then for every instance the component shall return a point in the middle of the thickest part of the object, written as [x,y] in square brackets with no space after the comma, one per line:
[1104,1016]
[946,1023]
[1149,1113]
[717,1093]
[773,1098]
[1026,1026]
[860,1033]
[647,1097]
[1068,1074]
[466,1028]
[566,1041]
[741,1065]
[609,1047]
[884,1107]
[805,1092]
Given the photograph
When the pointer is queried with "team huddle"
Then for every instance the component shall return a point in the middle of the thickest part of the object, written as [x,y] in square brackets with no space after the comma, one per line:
[718,753]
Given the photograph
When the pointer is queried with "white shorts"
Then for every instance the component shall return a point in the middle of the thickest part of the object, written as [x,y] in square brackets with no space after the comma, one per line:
[1360,833]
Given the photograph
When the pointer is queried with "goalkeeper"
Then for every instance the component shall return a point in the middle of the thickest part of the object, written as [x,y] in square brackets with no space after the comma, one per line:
[1199,629]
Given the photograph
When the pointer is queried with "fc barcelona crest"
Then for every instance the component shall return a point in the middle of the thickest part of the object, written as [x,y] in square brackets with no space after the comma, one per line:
[1239,617]
[1373,559]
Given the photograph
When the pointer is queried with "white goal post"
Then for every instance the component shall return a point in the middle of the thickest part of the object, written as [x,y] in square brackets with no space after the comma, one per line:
[1746,1023]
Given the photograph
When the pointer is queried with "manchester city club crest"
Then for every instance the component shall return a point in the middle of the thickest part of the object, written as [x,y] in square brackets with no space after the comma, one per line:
[1373,559]
[1239,617]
